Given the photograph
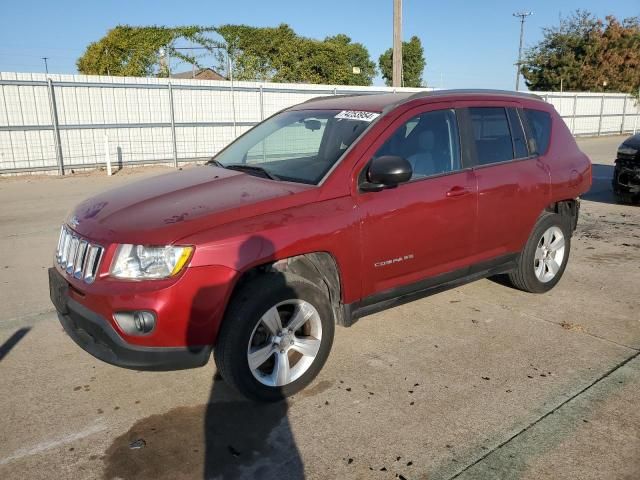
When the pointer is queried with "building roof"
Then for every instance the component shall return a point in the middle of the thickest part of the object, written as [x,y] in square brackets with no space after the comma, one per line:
[380,102]
[200,74]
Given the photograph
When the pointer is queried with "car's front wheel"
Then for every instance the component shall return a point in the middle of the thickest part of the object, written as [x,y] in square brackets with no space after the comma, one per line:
[276,336]
[544,258]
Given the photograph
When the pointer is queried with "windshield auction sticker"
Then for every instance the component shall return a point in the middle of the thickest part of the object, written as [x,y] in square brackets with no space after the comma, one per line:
[354,115]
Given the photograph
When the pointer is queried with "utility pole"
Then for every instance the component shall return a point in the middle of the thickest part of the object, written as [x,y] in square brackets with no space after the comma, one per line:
[522,16]
[397,43]
[46,67]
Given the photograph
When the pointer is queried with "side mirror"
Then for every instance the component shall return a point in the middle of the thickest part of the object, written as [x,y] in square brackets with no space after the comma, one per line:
[386,172]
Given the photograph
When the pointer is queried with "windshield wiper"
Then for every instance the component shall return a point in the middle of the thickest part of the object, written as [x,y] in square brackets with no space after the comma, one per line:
[251,169]
[215,163]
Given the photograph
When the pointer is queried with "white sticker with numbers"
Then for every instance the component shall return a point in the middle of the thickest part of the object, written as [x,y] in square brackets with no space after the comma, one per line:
[355,115]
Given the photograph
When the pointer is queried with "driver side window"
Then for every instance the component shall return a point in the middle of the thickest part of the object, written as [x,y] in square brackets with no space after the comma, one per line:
[429,142]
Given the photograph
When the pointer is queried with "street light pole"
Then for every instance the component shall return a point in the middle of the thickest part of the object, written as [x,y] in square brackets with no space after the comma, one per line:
[397,43]
[46,67]
[522,16]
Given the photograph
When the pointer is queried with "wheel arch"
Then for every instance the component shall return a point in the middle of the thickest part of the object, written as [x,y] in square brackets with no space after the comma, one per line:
[568,209]
[320,268]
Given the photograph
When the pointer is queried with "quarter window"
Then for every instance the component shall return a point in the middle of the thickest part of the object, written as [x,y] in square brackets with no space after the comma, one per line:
[429,141]
[540,125]
[491,134]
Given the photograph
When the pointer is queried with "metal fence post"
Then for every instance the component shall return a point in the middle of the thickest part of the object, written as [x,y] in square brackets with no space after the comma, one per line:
[261,104]
[601,112]
[56,127]
[107,156]
[573,115]
[173,127]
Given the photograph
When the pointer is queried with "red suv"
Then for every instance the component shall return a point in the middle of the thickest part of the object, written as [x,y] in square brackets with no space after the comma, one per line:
[324,213]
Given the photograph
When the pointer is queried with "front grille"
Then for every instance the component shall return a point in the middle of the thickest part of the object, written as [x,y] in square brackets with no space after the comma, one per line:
[77,256]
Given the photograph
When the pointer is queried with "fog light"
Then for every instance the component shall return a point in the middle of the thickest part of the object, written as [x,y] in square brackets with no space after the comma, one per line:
[139,322]
[144,321]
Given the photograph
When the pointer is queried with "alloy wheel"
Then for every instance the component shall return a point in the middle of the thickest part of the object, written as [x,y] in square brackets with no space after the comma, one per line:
[549,254]
[284,343]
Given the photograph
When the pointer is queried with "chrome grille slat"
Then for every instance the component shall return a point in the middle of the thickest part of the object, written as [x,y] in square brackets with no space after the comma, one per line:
[73,250]
[77,256]
[65,249]
[80,258]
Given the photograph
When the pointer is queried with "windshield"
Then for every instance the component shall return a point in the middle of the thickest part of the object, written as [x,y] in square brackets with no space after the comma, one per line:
[298,146]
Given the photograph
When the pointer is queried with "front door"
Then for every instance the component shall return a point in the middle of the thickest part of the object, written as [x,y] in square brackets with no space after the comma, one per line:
[426,226]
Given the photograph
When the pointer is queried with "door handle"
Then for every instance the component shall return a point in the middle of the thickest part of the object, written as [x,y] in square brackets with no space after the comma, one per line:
[457,191]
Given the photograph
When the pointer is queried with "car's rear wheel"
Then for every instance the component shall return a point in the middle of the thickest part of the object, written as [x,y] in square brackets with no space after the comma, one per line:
[544,258]
[276,336]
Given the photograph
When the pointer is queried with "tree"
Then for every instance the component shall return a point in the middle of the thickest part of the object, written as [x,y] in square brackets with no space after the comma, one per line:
[135,51]
[413,63]
[278,54]
[587,54]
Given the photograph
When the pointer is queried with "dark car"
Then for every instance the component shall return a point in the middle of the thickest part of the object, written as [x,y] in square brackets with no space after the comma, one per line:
[322,214]
[626,174]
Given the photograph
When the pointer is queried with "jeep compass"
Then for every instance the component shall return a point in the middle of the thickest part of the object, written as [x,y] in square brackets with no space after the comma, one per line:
[324,213]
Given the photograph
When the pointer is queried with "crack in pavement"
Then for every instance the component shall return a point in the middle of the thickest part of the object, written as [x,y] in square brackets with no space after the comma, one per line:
[52,443]
[550,412]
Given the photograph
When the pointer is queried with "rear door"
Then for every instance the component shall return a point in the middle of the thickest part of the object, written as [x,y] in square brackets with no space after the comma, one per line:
[513,183]
[426,226]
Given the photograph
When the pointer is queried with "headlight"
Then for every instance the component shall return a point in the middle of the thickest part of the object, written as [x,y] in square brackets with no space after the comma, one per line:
[140,262]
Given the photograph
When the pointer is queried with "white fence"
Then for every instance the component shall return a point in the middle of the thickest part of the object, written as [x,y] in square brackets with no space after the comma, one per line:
[596,113]
[65,122]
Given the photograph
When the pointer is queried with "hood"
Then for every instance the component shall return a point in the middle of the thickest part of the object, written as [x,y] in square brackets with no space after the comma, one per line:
[160,210]
[630,149]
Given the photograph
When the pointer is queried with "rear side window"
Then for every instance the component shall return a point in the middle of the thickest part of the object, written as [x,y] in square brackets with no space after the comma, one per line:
[491,134]
[517,133]
[540,125]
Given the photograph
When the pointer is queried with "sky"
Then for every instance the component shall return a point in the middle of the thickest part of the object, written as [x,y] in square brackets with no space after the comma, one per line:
[468,44]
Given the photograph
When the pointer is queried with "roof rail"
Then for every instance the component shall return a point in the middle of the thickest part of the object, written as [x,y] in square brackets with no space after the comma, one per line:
[324,97]
[476,91]
[463,91]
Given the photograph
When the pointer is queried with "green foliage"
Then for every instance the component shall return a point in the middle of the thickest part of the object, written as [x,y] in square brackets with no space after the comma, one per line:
[134,51]
[280,55]
[273,54]
[586,52]
[413,63]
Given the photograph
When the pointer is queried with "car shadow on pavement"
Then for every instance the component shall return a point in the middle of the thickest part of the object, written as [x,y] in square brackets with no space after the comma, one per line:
[13,340]
[601,190]
[245,439]
[229,437]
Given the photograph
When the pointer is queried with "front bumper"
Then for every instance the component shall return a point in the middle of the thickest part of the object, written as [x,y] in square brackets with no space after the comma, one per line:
[94,334]
[626,176]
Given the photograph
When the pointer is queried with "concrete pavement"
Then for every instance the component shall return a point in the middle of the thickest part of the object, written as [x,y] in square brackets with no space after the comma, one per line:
[479,382]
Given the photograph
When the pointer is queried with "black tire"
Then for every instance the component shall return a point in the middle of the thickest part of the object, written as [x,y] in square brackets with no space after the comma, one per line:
[246,308]
[524,277]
